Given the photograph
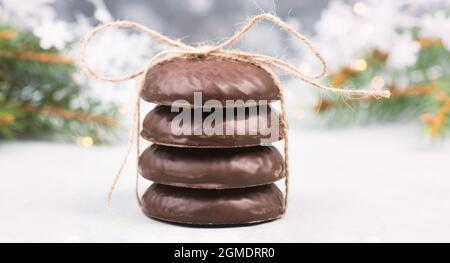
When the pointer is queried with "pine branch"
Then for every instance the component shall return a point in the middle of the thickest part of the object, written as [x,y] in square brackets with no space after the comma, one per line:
[71,114]
[37,56]
[39,96]
[424,98]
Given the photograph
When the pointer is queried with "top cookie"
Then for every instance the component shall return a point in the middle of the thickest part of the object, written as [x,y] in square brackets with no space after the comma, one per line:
[217,79]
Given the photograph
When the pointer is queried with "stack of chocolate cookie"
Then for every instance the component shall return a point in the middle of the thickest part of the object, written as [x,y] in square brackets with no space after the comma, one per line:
[222,176]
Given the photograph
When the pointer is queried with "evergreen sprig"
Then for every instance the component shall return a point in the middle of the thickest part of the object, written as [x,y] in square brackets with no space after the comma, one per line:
[424,99]
[39,97]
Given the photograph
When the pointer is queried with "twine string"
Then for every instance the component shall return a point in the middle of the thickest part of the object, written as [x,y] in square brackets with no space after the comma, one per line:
[182,50]
[282,25]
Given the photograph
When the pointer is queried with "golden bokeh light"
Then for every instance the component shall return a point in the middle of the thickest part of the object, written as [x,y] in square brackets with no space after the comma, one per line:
[359,64]
[85,141]
[377,82]
[359,8]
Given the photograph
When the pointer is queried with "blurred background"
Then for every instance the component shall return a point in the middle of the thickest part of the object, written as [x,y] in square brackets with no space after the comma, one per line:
[402,46]
[364,170]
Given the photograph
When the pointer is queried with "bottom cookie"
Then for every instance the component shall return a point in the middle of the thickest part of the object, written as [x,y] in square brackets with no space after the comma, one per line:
[213,207]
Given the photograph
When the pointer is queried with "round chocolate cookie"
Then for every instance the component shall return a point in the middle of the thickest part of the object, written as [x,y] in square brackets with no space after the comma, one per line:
[216,78]
[212,168]
[213,207]
[234,129]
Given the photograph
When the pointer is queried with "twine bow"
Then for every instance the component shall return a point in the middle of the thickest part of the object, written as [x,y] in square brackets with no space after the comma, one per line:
[182,50]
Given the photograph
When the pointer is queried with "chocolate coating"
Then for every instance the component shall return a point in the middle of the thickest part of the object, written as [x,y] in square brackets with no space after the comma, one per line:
[217,79]
[157,128]
[213,207]
[212,168]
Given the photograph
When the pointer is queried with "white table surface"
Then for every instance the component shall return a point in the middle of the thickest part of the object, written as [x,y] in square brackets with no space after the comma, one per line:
[373,184]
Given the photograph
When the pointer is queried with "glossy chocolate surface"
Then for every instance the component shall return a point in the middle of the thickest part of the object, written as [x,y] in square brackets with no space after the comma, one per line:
[213,207]
[217,79]
[157,128]
[212,168]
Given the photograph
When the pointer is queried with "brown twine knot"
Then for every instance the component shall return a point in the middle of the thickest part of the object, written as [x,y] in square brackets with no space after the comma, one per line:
[181,49]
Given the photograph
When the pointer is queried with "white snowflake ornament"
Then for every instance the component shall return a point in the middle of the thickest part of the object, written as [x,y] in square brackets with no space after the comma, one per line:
[53,34]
